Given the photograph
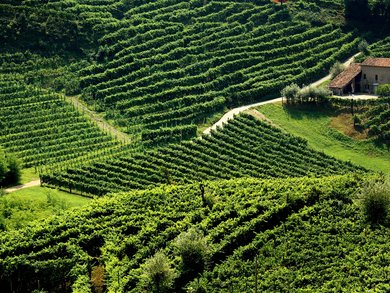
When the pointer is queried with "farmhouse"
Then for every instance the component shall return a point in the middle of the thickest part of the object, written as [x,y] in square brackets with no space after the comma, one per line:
[362,77]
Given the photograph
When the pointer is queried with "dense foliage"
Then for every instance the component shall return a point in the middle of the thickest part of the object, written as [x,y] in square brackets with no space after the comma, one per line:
[307,234]
[245,147]
[9,169]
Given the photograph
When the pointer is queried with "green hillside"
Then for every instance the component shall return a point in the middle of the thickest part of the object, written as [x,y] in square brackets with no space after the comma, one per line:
[105,98]
[20,208]
[307,233]
[39,126]
[315,125]
[156,65]
[245,147]
[175,63]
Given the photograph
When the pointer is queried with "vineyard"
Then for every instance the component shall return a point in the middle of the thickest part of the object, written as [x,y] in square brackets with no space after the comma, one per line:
[105,98]
[245,147]
[305,233]
[381,48]
[173,63]
[39,126]
[377,121]
[178,62]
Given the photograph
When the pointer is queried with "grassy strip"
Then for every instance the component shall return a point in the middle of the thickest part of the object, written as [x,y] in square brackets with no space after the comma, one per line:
[315,126]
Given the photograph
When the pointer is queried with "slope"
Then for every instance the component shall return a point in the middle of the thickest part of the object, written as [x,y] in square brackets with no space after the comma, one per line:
[245,147]
[38,125]
[308,233]
[318,127]
[162,64]
[175,63]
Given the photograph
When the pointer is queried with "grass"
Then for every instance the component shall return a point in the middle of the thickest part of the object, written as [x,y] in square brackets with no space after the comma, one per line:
[35,203]
[315,125]
[28,175]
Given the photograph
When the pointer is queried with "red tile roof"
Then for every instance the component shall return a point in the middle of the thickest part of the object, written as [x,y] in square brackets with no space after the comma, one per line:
[345,77]
[377,62]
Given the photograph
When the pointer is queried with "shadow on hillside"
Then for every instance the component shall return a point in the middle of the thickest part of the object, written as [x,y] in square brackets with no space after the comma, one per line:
[308,111]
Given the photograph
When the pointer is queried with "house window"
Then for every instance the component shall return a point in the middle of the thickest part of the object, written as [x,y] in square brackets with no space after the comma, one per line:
[376,77]
[364,76]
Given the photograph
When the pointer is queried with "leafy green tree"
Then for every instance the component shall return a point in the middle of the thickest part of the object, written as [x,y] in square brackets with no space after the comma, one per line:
[375,201]
[193,249]
[14,170]
[9,169]
[3,166]
[158,273]
[290,92]
[363,47]
[336,69]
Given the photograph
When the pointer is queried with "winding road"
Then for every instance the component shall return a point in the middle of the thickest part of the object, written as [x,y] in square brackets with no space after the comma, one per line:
[230,115]
[22,186]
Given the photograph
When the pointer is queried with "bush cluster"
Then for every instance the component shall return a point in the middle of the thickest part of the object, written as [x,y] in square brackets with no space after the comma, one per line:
[9,169]
[383,90]
[296,95]
[375,201]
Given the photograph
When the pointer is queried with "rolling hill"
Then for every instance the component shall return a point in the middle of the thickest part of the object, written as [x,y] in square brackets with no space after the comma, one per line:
[245,147]
[247,208]
[306,233]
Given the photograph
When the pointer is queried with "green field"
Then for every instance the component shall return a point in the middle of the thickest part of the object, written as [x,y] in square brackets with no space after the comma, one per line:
[314,126]
[22,207]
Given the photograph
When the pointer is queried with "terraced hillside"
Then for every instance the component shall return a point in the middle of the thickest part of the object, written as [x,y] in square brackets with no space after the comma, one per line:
[245,147]
[377,121]
[380,48]
[307,233]
[165,63]
[39,126]
[172,63]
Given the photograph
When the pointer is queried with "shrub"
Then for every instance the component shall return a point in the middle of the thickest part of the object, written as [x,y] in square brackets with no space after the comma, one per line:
[193,249]
[158,273]
[336,69]
[363,47]
[375,201]
[290,92]
[383,90]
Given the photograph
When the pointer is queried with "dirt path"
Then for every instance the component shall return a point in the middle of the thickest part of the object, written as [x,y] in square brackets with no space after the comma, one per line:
[23,186]
[230,115]
[101,123]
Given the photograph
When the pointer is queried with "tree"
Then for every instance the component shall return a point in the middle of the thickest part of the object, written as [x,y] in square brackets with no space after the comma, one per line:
[3,166]
[193,249]
[158,272]
[14,172]
[336,69]
[9,169]
[375,201]
[290,92]
[363,47]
